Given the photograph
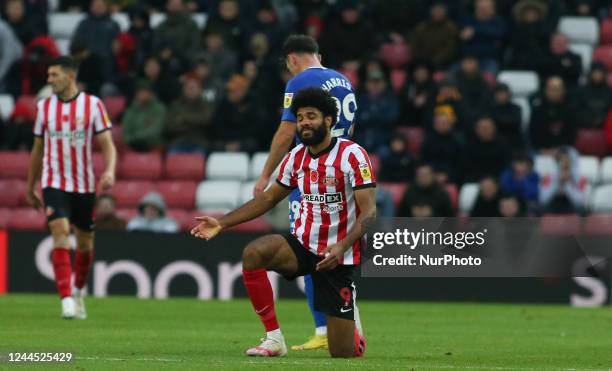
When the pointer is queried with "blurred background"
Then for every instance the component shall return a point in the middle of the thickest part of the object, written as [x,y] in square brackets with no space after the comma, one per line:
[482,108]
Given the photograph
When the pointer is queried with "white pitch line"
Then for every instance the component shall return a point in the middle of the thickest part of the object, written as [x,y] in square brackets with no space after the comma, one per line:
[355,364]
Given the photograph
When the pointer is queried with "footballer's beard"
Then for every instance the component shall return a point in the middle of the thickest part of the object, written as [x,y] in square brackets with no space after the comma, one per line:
[318,135]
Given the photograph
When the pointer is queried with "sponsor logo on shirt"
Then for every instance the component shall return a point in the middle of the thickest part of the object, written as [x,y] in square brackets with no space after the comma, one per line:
[330,181]
[326,198]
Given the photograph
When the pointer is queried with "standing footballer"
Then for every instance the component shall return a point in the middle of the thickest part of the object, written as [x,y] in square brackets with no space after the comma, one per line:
[301,54]
[65,126]
[335,179]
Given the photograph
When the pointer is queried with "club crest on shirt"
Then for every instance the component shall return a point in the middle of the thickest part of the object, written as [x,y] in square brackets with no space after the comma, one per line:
[314,176]
[364,169]
[288,100]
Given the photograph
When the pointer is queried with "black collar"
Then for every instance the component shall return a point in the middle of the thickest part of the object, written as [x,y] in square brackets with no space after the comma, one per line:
[329,148]
[69,100]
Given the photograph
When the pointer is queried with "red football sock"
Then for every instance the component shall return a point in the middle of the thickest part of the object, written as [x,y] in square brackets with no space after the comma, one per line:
[63,271]
[260,291]
[82,265]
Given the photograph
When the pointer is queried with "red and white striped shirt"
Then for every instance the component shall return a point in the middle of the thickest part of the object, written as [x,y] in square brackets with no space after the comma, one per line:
[327,182]
[68,128]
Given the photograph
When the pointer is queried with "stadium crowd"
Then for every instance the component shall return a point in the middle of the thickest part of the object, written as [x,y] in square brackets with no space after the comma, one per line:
[432,106]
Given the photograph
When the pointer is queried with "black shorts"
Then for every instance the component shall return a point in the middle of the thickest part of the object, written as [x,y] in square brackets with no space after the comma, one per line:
[77,207]
[334,290]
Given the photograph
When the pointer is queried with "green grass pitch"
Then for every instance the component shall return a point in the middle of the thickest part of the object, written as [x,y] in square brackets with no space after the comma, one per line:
[186,334]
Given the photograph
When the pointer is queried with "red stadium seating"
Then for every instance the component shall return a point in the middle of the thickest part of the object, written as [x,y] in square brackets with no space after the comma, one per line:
[177,193]
[5,214]
[127,214]
[395,55]
[141,165]
[98,164]
[183,218]
[256,225]
[352,76]
[453,193]
[29,102]
[375,160]
[14,164]
[604,54]
[598,224]
[128,193]
[184,166]
[605,32]
[414,138]
[115,107]
[560,224]
[591,142]
[27,219]
[397,191]
[398,80]
[12,192]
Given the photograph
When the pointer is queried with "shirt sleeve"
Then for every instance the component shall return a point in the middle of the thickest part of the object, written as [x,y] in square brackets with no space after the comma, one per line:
[286,177]
[101,120]
[360,169]
[290,90]
[39,125]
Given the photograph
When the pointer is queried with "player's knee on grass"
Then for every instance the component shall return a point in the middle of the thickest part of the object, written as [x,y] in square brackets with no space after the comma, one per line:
[60,230]
[340,337]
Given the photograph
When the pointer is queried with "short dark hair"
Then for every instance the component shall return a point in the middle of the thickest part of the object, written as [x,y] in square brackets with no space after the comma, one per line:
[317,98]
[300,44]
[65,62]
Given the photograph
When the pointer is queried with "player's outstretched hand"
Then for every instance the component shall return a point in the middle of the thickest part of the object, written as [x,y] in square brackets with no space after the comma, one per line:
[332,255]
[208,228]
[107,180]
[261,185]
[34,199]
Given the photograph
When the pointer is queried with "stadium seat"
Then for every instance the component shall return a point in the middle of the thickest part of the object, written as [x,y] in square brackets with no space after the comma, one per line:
[63,25]
[598,224]
[5,214]
[29,102]
[127,214]
[414,138]
[605,170]
[545,165]
[395,55]
[127,193]
[227,165]
[605,32]
[63,45]
[12,192]
[591,142]
[178,193]
[523,102]
[246,192]
[352,76]
[588,167]
[604,54]
[14,164]
[27,219]
[398,80]
[122,19]
[7,103]
[580,29]
[397,191]
[115,105]
[120,144]
[585,51]
[258,161]
[141,166]
[157,18]
[217,195]
[453,193]
[601,199]
[521,83]
[259,224]
[186,166]
[467,197]
[560,224]
[182,217]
